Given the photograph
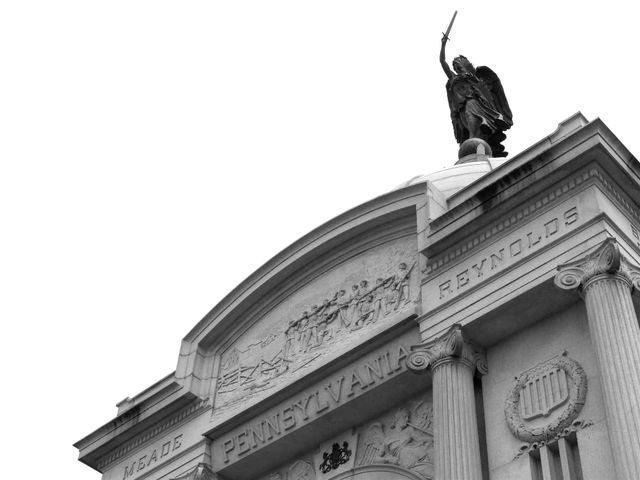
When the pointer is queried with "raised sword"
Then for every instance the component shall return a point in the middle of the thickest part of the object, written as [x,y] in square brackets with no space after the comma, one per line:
[446,34]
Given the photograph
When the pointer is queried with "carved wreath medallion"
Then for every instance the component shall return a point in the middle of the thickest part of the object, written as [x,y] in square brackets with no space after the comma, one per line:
[555,390]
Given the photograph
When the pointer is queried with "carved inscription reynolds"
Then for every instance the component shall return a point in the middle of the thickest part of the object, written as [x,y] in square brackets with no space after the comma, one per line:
[374,369]
[253,366]
[151,457]
[514,248]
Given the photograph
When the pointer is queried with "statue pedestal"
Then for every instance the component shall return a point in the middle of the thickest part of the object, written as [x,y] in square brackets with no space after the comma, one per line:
[474,150]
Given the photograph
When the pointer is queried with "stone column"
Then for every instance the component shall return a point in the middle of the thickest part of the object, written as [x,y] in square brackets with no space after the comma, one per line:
[606,279]
[453,362]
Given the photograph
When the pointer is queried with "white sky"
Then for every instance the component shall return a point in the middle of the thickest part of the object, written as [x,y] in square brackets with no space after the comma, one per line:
[153,154]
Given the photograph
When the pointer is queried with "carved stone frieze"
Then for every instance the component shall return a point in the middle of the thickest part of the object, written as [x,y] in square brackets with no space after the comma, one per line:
[250,367]
[606,259]
[450,346]
[546,400]
[403,438]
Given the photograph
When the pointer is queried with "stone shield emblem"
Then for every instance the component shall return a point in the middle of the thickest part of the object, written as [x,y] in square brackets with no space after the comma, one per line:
[546,399]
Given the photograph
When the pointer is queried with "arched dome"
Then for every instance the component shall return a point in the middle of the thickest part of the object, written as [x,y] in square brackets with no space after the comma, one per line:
[451,180]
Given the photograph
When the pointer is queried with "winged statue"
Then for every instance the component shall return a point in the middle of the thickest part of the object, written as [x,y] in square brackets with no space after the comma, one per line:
[479,107]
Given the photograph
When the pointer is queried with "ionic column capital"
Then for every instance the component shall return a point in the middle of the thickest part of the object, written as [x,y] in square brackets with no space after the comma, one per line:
[605,260]
[452,346]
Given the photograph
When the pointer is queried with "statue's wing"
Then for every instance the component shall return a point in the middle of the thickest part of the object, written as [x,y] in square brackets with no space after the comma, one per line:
[372,444]
[493,84]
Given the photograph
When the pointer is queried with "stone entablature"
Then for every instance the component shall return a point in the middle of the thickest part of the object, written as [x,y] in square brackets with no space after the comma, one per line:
[515,218]
[470,287]
[310,405]
[154,448]
[397,443]
[148,436]
[525,230]
[539,166]
[482,265]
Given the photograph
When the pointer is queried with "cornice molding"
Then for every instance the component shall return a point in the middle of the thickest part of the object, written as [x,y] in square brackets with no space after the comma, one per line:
[150,434]
[305,276]
[524,213]
[452,346]
[614,191]
[357,218]
[605,260]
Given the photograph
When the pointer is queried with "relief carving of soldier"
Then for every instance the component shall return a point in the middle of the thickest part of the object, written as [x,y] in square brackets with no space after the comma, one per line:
[404,443]
[401,284]
[363,306]
[343,309]
[354,298]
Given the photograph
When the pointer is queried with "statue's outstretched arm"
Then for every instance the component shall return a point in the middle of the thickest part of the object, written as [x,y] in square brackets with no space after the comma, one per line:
[443,61]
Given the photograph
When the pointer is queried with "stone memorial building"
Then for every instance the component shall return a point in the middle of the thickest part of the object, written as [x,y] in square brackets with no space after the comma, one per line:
[478,323]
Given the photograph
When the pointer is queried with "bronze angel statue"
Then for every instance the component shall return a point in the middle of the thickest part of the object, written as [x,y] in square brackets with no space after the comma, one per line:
[479,107]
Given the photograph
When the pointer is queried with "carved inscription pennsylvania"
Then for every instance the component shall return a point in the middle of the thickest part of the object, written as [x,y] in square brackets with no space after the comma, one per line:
[307,406]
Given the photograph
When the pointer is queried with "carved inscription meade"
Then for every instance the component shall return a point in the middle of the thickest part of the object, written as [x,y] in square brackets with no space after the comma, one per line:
[152,456]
